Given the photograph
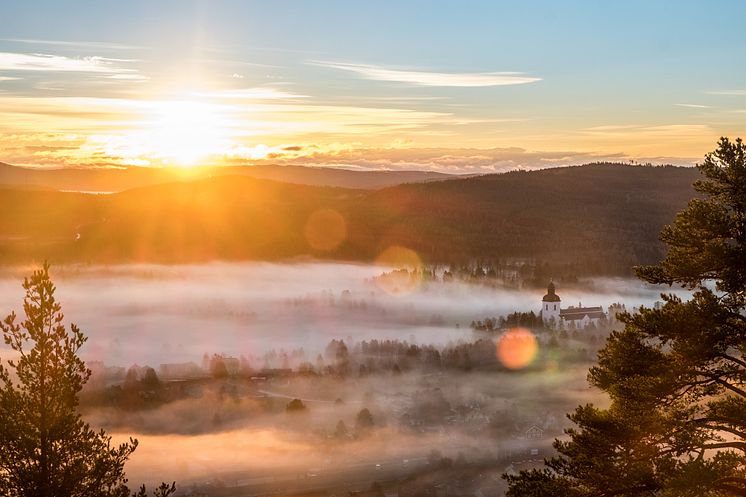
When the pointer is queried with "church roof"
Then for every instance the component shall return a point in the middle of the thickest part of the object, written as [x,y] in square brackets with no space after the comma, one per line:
[578,313]
[551,296]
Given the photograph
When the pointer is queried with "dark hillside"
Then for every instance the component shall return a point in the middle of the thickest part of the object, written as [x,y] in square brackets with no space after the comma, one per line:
[605,216]
[594,219]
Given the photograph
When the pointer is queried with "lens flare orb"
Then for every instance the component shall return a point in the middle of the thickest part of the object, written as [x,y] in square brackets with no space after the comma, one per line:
[517,348]
[406,274]
[325,229]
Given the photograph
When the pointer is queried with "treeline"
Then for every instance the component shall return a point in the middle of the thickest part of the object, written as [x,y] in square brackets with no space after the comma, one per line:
[598,218]
[144,388]
[507,271]
[590,220]
[529,320]
[396,356]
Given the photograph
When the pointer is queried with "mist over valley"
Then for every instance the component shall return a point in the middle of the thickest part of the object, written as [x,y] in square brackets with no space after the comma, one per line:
[237,431]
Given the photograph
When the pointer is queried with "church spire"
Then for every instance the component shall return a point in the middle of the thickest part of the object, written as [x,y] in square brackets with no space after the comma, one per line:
[551,296]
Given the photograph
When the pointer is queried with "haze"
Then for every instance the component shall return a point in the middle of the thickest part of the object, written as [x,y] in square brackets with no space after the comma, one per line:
[151,314]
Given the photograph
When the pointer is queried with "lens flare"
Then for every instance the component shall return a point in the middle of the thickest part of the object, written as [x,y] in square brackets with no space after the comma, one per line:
[406,274]
[517,348]
[325,229]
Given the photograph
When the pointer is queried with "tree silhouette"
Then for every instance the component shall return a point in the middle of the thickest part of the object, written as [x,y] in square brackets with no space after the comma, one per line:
[341,432]
[218,369]
[296,405]
[675,375]
[46,449]
[364,421]
[150,379]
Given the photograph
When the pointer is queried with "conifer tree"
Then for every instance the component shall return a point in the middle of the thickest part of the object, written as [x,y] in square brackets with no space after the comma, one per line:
[676,376]
[46,449]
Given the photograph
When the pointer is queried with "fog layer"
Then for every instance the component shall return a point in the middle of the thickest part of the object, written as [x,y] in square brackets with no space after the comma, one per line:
[151,314]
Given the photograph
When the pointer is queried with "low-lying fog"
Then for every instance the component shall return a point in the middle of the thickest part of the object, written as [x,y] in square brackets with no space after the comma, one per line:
[151,314]
[239,432]
[479,415]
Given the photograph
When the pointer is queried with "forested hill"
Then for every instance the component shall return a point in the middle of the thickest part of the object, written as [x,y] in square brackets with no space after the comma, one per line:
[108,180]
[601,218]
[593,219]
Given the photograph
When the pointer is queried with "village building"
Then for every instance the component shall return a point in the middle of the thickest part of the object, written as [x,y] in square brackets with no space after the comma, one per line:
[580,317]
[180,370]
[534,433]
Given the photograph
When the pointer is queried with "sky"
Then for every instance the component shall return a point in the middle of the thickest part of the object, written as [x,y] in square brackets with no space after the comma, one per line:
[460,87]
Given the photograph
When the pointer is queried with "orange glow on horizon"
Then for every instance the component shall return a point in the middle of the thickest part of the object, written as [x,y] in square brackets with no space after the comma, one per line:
[184,132]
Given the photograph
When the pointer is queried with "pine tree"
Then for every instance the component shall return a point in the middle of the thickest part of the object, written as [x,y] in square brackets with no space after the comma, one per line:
[676,425]
[364,422]
[46,449]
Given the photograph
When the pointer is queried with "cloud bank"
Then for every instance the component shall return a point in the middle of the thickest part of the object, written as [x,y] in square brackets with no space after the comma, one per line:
[423,78]
[45,62]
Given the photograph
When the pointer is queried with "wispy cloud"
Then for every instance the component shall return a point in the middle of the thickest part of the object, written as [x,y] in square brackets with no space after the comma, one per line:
[740,92]
[694,106]
[45,62]
[120,131]
[251,94]
[398,98]
[450,160]
[426,78]
[129,77]
[611,128]
[686,141]
[671,130]
[74,44]
[7,78]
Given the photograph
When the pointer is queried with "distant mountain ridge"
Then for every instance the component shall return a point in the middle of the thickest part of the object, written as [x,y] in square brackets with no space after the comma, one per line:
[592,219]
[108,180]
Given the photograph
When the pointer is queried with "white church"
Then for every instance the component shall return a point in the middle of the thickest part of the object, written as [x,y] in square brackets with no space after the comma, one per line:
[552,311]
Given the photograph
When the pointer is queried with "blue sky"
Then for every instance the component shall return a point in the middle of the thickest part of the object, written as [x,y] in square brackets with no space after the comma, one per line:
[458,86]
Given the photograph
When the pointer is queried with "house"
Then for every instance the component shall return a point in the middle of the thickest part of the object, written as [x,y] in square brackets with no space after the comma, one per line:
[232,364]
[180,370]
[534,433]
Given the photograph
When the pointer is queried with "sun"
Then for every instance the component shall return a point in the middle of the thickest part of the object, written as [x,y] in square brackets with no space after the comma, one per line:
[185,133]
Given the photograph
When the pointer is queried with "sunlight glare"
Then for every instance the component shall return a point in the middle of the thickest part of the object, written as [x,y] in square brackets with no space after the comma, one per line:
[184,133]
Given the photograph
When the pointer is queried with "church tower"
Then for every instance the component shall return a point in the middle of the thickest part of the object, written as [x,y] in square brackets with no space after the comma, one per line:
[550,305]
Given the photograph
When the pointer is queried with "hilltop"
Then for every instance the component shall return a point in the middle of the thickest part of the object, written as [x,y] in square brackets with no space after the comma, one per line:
[108,180]
[593,219]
